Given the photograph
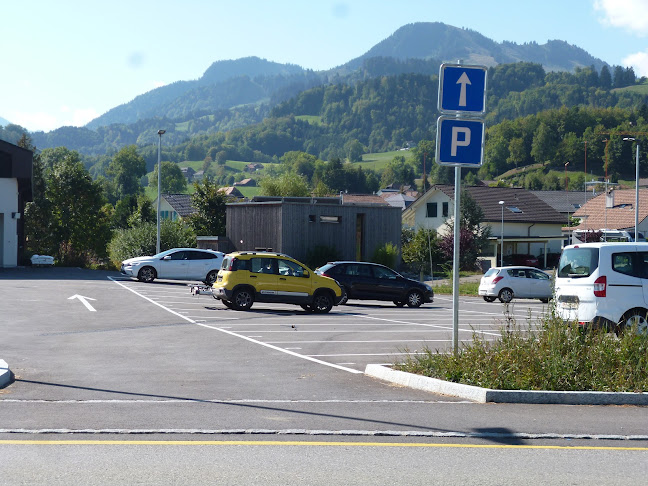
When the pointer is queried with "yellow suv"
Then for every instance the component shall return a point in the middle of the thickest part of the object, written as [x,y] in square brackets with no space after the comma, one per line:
[246,277]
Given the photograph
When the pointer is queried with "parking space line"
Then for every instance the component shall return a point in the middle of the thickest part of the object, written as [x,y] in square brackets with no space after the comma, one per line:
[223,330]
[431,325]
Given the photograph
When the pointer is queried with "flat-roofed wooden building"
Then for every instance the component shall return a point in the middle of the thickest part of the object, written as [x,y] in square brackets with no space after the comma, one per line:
[355,225]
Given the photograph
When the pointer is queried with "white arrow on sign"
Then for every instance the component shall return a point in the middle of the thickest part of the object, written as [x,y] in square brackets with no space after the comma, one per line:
[463,81]
[84,300]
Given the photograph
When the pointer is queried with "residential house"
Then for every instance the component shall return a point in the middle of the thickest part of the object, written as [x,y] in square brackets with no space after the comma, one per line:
[565,202]
[399,200]
[614,211]
[521,223]
[246,183]
[188,172]
[253,167]
[15,190]
[175,206]
[355,225]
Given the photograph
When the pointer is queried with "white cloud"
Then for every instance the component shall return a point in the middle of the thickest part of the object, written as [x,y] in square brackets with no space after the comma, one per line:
[639,61]
[631,15]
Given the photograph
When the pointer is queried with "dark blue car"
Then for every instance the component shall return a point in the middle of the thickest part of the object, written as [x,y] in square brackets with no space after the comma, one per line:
[371,281]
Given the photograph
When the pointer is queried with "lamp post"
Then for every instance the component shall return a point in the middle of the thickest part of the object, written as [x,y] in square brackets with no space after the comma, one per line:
[160,133]
[585,142]
[636,234]
[567,192]
[501,203]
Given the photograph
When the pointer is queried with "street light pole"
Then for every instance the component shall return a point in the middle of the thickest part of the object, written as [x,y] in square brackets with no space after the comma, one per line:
[636,234]
[501,203]
[160,133]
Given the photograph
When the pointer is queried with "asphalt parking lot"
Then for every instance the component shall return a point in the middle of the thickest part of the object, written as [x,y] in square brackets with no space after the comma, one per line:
[350,336]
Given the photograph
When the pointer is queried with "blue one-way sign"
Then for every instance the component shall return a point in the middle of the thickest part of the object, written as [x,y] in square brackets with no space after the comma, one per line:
[462,88]
[460,142]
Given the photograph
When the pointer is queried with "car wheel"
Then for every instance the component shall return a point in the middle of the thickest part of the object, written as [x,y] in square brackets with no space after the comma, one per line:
[489,298]
[211,277]
[414,299]
[146,274]
[322,303]
[306,307]
[227,304]
[345,295]
[399,304]
[506,295]
[635,320]
[242,299]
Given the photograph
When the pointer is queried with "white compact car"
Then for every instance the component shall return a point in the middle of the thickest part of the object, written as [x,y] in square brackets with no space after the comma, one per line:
[176,264]
[604,285]
[507,283]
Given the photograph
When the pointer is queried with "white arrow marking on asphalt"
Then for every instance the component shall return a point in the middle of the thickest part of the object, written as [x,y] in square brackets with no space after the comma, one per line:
[463,80]
[85,302]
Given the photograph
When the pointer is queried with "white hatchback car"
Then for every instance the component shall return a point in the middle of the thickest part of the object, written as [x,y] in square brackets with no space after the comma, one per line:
[507,283]
[176,264]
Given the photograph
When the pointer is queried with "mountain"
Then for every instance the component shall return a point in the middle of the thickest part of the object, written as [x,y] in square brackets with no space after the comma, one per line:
[435,40]
[223,85]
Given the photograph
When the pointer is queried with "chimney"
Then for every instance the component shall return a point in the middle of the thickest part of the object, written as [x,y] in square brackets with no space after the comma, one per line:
[609,199]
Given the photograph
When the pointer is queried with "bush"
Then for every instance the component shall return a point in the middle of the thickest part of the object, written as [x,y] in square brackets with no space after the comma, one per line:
[320,255]
[386,255]
[551,356]
[141,240]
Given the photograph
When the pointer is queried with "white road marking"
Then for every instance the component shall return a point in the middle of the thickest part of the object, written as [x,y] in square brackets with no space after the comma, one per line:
[220,329]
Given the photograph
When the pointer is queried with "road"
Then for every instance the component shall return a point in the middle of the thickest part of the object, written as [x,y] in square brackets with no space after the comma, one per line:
[155,385]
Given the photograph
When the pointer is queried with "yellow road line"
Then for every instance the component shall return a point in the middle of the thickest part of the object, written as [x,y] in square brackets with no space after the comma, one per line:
[306,443]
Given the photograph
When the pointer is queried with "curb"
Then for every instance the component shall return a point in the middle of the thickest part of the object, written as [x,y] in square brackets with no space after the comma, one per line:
[486,395]
[6,376]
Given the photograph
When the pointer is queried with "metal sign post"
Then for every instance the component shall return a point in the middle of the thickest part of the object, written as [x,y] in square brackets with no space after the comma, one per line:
[460,143]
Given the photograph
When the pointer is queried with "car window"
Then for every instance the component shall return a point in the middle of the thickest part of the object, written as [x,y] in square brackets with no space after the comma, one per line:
[578,262]
[290,269]
[330,269]
[358,270]
[491,272]
[178,255]
[537,275]
[381,272]
[263,265]
[631,263]
[200,255]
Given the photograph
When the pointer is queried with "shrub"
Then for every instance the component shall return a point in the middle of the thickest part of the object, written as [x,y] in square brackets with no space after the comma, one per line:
[551,356]
[320,255]
[386,255]
[141,240]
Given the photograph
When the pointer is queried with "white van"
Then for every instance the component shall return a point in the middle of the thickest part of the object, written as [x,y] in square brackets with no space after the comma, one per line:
[604,284]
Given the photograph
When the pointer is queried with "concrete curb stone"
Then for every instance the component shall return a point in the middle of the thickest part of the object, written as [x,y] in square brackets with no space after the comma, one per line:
[485,395]
[6,376]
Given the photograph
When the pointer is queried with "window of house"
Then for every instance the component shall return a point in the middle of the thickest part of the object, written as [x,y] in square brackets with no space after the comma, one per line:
[445,209]
[431,210]
[311,218]
[330,219]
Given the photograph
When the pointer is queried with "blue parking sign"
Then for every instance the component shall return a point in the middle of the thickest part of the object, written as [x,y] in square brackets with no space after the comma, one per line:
[462,88]
[460,142]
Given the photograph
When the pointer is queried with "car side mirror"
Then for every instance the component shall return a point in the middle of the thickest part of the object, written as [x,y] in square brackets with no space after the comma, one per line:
[306,274]
[167,257]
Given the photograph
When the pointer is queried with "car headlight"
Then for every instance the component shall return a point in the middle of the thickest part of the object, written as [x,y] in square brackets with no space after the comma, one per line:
[427,287]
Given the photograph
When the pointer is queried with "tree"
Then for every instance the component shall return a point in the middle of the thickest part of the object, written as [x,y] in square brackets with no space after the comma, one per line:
[77,227]
[125,172]
[209,202]
[288,184]
[420,250]
[354,150]
[172,179]
[399,172]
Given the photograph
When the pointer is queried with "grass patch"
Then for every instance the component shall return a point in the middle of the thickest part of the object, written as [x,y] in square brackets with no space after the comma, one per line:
[378,161]
[312,119]
[550,356]
[467,288]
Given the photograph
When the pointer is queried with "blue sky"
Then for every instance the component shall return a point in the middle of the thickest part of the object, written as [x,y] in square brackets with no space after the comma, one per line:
[69,61]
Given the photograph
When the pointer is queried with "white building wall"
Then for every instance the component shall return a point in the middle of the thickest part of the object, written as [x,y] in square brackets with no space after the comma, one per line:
[9,228]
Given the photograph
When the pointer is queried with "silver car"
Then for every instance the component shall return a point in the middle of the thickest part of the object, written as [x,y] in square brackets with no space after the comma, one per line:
[507,283]
[176,264]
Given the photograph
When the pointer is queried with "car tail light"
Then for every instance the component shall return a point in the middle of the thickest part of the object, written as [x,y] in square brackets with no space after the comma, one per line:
[496,279]
[600,287]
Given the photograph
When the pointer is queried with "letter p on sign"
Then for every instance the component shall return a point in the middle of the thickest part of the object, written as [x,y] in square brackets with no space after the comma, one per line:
[457,142]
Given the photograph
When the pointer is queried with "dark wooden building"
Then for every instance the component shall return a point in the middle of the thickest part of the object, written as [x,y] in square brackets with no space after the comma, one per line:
[354,225]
